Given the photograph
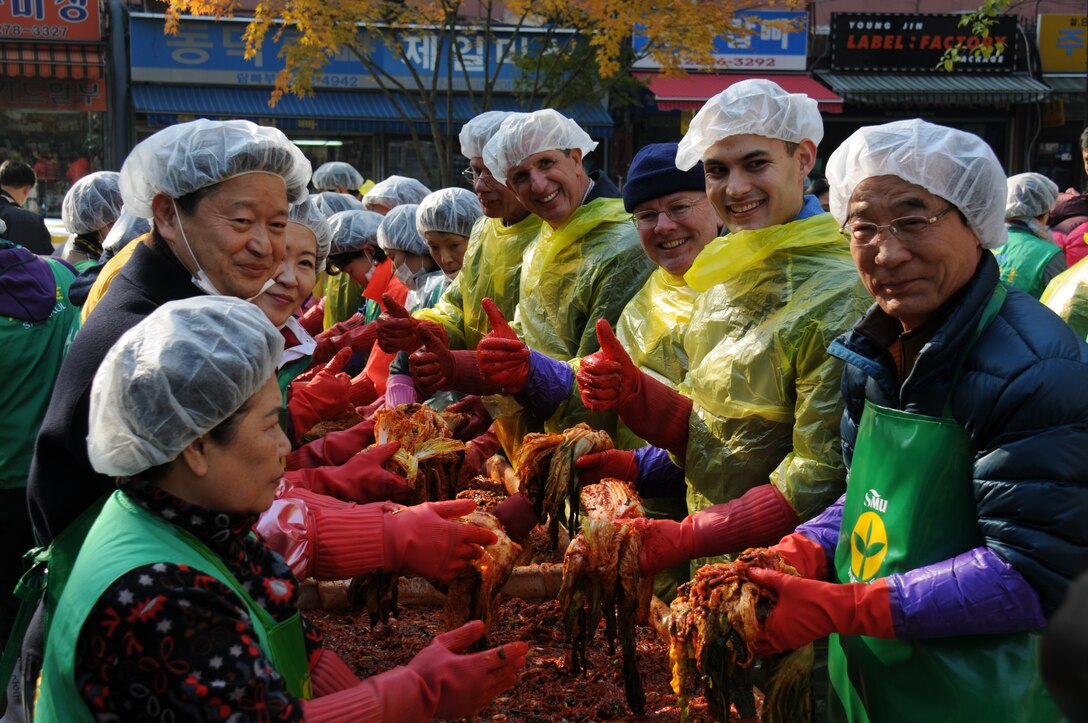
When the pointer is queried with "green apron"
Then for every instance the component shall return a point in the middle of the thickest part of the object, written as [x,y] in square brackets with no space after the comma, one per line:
[122,538]
[910,503]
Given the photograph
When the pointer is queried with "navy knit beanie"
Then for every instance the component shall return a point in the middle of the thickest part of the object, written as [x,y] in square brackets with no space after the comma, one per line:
[653,174]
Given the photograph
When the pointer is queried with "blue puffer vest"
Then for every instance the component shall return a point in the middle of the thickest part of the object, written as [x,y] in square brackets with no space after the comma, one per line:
[1023,399]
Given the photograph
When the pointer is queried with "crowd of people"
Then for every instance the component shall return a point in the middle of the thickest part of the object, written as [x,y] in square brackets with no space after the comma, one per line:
[867,383]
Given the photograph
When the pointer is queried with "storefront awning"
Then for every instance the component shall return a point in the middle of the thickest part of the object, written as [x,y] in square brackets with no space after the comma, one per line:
[1066,83]
[692,91]
[365,112]
[52,60]
[937,88]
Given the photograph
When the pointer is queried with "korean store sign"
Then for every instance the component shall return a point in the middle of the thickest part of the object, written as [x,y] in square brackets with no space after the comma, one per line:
[58,20]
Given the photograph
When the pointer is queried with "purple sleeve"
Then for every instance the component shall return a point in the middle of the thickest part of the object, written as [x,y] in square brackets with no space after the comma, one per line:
[974,593]
[658,475]
[548,385]
[824,529]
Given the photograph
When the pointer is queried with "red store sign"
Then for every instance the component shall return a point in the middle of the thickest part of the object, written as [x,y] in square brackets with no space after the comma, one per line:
[30,20]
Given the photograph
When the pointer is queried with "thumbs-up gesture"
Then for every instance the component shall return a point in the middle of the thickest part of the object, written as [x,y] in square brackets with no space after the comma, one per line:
[433,367]
[608,377]
[398,331]
[501,356]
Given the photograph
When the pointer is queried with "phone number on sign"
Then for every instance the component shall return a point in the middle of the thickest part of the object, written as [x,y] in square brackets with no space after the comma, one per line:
[755,62]
[35,31]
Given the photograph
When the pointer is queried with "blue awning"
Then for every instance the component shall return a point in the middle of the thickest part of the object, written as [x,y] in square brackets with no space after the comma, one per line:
[365,112]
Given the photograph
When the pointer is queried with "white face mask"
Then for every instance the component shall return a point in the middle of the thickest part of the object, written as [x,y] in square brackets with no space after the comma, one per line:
[200,279]
[450,277]
[405,276]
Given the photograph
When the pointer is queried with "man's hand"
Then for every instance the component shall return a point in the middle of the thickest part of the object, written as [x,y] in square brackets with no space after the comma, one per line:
[608,377]
[501,356]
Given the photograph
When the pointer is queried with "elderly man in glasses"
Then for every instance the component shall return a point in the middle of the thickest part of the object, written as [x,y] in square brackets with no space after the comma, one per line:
[962,523]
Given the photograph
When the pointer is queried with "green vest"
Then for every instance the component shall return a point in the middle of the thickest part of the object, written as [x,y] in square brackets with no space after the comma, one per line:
[33,354]
[124,537]
[343,298]
[1024,259]
[910,503]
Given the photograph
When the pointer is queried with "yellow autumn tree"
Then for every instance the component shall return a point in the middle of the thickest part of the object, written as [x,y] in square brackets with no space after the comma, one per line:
[581,49]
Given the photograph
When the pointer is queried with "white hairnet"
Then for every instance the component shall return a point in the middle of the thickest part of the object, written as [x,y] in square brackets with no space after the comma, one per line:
[3,227]
[450,210]
[394,191]
[1029,195]
[352,230]
[330,202]
[307,214]
[174,377]
[523,134]
[92,202]
[955,165]
[477,132]
[125,229]
[189,156]
[751,107]
[398,231]
[336,174]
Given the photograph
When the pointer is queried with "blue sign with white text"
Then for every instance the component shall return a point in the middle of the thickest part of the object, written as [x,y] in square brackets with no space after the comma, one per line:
[759,47]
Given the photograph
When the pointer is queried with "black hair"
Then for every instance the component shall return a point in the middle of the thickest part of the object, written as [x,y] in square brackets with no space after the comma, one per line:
[819,186]
[190,201]
[89,243]
[16,174]
[791,147]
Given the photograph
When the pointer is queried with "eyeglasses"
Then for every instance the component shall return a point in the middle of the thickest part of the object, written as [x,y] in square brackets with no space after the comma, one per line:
[470,175]
[907,228]
[676,211]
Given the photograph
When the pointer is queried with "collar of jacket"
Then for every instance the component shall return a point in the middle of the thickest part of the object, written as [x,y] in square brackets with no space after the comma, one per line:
[728,256]
[157,272]
[928,381]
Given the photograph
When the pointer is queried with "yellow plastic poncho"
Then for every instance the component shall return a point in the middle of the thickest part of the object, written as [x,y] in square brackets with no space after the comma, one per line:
[1067,296]
[651,329]
[343,297]
[491,268]
[765,393]
[585,270]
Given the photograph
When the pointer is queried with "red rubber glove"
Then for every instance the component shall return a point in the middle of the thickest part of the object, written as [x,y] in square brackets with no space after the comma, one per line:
[608,379]
[438,683]
[334,448]
[465,683]
[425,539]
[501,356]
[325,397]
[517,516]
[808,610]
[359,339]
[612,463]
[806,556]
[479,419]
[362,390]
[361,479]
[435,368]
[477,453]
[398,331]
[313,320]
[352,322]
[761,514]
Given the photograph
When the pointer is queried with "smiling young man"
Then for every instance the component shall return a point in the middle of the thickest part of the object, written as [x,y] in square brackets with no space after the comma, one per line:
[755,421]
[584,264]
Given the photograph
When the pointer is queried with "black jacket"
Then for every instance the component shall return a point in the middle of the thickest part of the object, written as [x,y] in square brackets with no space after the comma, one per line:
[62,482]
[25,228]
